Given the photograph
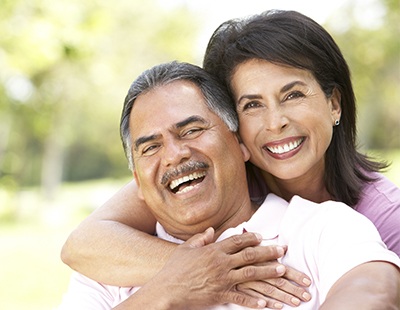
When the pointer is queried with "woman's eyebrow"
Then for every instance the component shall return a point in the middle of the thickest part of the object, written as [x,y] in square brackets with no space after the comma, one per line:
[248,97]
[290,85]
[285,88]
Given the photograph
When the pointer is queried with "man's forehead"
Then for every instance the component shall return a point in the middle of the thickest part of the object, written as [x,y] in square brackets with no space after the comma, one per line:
[175,92]
[169,106]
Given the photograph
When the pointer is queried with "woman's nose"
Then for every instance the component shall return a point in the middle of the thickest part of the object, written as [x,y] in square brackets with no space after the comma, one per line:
[275,120]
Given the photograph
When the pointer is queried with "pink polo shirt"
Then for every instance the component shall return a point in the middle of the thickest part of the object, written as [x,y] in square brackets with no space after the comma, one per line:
[380,202]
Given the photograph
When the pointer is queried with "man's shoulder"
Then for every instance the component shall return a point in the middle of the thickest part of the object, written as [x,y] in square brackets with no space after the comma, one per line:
[304,213]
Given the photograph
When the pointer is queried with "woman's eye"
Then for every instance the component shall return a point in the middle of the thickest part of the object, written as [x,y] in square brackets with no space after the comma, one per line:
[250,105]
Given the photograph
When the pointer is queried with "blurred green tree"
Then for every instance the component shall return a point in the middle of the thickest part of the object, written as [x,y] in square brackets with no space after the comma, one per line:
[65,67]
[372,48]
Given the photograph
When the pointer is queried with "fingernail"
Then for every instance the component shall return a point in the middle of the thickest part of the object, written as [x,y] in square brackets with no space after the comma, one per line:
[295,301]
[306,281]
[259,237]
[278,305]
[280,269]
[306,296]
[280,250]
[261,303]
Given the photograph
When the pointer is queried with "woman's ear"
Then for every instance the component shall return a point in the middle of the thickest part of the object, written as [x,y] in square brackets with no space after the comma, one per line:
[336,107]
[139,190]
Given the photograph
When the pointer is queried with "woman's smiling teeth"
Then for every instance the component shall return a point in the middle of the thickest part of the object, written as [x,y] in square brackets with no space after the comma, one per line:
[287,147]
[175,184]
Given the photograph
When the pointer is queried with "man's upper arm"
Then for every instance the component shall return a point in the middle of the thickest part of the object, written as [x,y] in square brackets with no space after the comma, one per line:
[372,285]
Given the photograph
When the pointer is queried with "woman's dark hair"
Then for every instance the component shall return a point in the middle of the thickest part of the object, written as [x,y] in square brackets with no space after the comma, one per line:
[291,38]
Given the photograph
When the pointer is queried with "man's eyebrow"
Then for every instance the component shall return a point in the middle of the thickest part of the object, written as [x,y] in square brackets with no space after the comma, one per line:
[144,139]
[189,120]
[181,124]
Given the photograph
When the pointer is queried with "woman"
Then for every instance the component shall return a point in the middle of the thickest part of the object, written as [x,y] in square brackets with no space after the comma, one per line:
[290,39]
[297,148]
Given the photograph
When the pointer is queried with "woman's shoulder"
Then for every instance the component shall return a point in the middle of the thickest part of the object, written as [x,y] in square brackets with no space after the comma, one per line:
[380,202]
[380,190]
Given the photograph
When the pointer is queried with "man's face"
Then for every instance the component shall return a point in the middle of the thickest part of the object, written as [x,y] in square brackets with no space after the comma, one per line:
[188,165]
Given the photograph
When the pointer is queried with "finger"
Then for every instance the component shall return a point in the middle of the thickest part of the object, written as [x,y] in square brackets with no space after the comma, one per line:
[201,239]
[256,272]
[298,277]
[246,300]
[253,289]
[257,255]
[236,243]
[285,291]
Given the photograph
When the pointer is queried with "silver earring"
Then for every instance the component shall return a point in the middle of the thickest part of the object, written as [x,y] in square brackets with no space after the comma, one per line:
[337,122]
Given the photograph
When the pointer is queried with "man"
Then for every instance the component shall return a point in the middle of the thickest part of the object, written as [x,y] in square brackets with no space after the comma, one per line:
[179,134]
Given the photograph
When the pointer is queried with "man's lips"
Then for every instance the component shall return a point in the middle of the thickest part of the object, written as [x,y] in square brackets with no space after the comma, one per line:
[182,170]
[185,176]
[185,183]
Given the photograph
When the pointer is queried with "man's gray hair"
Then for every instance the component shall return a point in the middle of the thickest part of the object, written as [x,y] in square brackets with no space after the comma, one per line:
[215,95]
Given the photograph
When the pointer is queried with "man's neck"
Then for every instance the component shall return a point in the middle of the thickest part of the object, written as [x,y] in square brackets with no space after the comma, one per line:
[243,214]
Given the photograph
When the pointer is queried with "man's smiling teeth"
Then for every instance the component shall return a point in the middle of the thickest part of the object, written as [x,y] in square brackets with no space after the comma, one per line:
[193,176]
[280,149]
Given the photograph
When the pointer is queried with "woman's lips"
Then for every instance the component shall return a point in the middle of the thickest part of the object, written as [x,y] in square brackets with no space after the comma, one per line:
[285,148]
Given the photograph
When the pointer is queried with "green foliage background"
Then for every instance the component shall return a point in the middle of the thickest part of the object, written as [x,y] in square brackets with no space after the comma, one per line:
[65,67]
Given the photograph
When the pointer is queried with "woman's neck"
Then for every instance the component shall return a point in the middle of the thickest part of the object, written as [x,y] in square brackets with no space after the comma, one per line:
[311,188]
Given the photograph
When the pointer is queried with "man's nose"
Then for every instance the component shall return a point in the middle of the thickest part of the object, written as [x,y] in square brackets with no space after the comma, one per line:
[175,151]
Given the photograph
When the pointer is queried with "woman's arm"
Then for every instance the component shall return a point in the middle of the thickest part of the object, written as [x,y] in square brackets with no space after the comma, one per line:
[106,248]
[373,285]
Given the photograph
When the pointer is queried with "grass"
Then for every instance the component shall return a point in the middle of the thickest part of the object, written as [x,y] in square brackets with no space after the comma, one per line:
[32,232]
[32,275]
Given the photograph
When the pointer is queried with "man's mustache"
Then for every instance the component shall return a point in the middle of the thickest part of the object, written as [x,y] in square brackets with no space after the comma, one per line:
[184,168]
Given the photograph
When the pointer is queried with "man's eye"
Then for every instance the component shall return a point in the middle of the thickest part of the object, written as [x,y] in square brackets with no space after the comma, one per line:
[192,132]
[149,149]
[294,95]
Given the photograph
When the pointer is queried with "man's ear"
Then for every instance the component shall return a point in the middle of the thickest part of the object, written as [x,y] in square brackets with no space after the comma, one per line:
[245,151]
[336,107]
[139,191]
[243,148]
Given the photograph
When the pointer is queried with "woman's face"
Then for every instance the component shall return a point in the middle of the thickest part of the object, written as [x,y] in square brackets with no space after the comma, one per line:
[286,121]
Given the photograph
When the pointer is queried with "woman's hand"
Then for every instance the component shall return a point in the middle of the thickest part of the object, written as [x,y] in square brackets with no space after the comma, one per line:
[200,273]
[289,289]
